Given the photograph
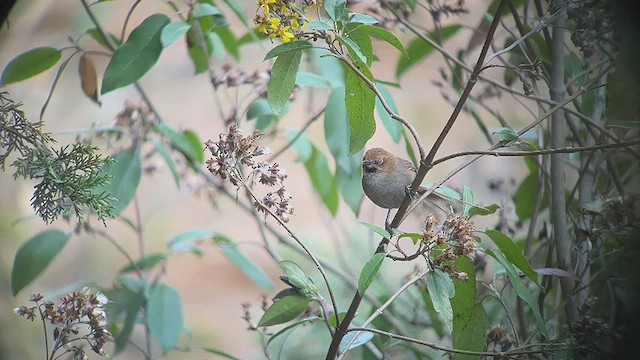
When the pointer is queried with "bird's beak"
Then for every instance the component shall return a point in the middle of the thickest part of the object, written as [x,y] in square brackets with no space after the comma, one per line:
[369,165]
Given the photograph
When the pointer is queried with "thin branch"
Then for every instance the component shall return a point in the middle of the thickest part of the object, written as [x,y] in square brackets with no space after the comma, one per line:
[313,119]
[127,18]
[565,150]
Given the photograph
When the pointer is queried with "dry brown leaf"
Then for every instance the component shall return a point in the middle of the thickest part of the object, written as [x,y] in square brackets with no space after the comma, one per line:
[88,77]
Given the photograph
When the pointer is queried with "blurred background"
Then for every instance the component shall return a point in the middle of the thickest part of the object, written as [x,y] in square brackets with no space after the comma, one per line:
[212,289]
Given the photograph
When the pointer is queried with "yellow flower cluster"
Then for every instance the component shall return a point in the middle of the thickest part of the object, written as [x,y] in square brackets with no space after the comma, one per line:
[282,19]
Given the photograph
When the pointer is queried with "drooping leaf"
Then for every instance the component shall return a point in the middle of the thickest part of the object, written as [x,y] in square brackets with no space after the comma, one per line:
[126,173]
[470,321]
[29,64]
[521,289]
[361,338]
[219,353]
[285,309]
[281,49]
[283,79]
[369,272]
[360,101]
[166,156]
[468,199]
[336,129]
[187,241]
[350,182]
[173,32]
[335,8]
[187,142]
[441,290]
[124,301]
[312,80]
[385,35]
[378,230]
[248,267]
[88,77]
[137,55]
[145,263]
[205,9]
[394,128]
[34,256]
[513,253]
[164,316]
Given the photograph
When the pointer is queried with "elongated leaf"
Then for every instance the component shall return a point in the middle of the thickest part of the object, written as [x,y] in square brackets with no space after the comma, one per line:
[385,35]
[297,277]
[468,198]
[205,9]
[285,309]
[513,253]
[335,8]
[34,256]
[250,269]
[290,327]
[419,49]
[126,173]
[166,156]
[521,289]
[145,263]
[137,55]
[283,78]
[186,241]
[220,353]
[441,290]
[124,300]
[350,182]
[394,128]
[369,272]
[29,64]
[187,142]
[360,101]
[287,48]
[313,80]
[470,321]
[173,32]
[336,129]
[361,338]
[164,316]
[378,230]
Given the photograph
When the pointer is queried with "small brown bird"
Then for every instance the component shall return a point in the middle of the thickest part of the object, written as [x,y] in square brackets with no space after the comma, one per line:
[386,179]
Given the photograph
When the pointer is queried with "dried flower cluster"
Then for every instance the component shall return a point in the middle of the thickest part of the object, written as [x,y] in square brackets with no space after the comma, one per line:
[233,77]
[454,238]
[79,318]
[232,152]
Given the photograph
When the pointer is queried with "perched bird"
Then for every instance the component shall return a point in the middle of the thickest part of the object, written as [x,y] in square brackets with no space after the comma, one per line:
[386,179]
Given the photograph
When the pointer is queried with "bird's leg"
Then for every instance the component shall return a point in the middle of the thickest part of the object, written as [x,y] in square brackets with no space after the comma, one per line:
[387,225]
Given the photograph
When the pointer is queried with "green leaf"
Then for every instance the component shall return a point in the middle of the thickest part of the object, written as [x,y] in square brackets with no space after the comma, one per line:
[219,353]
[317,166]
[528,191]
[283,79]
[137,55]
[336,129]
[34,256]
[521,289]
[512,253]
[294,46]
[187,142]
[362,18]
[166,156]
[386,35]
[261,111]
[290,327]
[470,321]
[362,338]
[319,26]
[97,36]
[483,210]
[468,199]
[418,49]
[506,134]
[29,64]
[253,272]
[360,101]
[378,230]
[369,272]
[350,182]
[173,32]
[145,263]
[228,39]
[312,80]
[355,50]
[335,8]
[187,241]
[164,316]
[124,300]
[394,128]
[297,278]
[126,173]
[441,290]
[285,309]
[205,9]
